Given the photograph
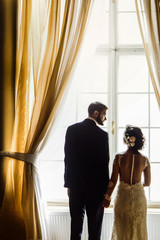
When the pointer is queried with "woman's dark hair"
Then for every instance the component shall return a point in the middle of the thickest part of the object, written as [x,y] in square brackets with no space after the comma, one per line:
[96,106]
[137,133]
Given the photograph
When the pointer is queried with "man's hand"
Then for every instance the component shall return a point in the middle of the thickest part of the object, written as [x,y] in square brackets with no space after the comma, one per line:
[68,191]
[106,203]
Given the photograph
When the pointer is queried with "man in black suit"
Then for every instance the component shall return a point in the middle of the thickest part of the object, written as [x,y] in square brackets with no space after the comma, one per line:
[86,171]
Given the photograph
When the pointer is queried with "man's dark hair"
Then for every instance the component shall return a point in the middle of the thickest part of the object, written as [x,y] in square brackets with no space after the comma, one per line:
[96,106]
[137,133]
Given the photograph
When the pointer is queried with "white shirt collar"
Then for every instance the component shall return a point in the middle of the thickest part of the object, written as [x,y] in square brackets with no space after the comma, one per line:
[92,119]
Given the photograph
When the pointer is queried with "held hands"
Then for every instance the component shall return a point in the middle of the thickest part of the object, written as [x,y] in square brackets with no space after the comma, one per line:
[106,203]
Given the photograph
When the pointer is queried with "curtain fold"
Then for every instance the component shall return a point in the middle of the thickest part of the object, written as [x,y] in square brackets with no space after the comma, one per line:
[148,13]
[44,40]
[11,221]
[68,46]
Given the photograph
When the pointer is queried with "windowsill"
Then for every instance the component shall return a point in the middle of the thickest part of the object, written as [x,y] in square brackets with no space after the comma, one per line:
[153,210]
[65,209]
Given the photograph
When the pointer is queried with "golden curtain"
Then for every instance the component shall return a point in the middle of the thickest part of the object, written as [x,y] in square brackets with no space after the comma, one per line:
[148,13]
[40,42]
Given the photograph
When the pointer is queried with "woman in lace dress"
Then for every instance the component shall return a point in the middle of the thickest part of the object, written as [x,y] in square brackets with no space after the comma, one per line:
[130,206]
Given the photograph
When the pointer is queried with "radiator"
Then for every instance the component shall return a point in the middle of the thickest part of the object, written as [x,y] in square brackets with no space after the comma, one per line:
[59,225]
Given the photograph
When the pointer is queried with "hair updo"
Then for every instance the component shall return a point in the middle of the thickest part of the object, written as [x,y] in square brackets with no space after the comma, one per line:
[136,132]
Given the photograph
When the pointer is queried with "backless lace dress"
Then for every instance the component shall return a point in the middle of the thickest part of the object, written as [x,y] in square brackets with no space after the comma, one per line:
[130,209]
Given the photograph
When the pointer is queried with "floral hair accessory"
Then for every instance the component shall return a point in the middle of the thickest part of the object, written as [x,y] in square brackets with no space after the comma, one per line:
[130,140]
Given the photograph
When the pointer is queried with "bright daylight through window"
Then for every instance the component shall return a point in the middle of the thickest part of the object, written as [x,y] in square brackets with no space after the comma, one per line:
[110,68]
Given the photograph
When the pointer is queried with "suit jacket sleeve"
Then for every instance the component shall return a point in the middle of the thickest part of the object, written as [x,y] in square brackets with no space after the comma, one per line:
[67,174]
[107,154]
[107,148]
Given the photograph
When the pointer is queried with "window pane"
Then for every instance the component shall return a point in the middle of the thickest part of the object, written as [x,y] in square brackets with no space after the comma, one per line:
[52,180]
[155,147]
[68,116]
[125,5]
[155,180]
[106,4]
[92,74]
[151,87]
[132,73]
[133,109]
[155,113]
[121,146]
[54,149]
[146,189]
[98,27]
[84,100]
[127,23]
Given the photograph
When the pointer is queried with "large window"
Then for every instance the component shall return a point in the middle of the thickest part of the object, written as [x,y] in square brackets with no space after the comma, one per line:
[111,68]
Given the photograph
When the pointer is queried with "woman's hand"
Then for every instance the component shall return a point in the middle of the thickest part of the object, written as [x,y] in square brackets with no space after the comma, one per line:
[106,203]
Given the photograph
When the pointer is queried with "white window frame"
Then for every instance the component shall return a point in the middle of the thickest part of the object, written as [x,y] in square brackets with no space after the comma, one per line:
[114,50]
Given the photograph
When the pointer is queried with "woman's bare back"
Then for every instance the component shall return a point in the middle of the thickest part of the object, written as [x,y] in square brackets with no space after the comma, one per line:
[131,165]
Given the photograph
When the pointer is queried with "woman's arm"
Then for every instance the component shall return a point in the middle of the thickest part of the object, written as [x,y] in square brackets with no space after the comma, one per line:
[147,175]
[112,183]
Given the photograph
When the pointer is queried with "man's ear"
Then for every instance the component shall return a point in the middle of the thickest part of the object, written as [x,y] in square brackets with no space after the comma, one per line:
[96,113]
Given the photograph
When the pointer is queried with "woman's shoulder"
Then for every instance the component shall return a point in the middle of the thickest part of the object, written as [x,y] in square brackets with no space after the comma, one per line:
[118,158]
[120,154]
[143,156]
[145,159]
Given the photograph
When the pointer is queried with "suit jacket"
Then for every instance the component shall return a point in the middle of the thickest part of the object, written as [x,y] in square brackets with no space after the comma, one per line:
[86,157]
